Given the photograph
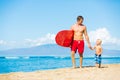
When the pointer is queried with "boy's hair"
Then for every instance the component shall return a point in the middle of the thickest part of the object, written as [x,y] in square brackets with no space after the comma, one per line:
[100,40]
[79,18]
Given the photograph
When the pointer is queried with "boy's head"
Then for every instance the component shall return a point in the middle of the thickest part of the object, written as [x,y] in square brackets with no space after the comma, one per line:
[99,41]
[80,19]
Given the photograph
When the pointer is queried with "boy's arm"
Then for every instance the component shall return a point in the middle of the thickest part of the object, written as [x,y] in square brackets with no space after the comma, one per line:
[101,50]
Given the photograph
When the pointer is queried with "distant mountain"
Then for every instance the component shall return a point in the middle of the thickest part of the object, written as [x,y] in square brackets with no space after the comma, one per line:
[43,50]
[54,50]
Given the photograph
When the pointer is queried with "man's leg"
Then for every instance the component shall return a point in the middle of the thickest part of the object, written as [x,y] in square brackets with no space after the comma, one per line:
[81,50]
[73,59]
[81,60]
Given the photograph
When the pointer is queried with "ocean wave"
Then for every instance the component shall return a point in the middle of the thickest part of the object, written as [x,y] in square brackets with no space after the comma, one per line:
[62,57]
[11,57]
[16,57]
[26,57]
[53,57]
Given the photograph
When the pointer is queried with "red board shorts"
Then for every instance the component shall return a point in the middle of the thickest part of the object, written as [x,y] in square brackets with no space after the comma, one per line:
[78,44]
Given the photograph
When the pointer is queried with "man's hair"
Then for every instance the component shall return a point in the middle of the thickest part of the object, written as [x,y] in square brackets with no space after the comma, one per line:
[79,18]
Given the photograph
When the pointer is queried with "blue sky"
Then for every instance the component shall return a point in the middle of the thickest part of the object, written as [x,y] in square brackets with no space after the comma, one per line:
[27,23]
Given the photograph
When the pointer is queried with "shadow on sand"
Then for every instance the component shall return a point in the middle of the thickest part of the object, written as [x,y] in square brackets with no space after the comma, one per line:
[93,67]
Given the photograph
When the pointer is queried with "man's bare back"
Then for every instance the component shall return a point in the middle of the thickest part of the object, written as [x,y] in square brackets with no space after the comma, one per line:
[78,31]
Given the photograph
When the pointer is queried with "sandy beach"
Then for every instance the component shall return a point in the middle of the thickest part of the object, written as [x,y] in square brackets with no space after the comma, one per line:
[107,72]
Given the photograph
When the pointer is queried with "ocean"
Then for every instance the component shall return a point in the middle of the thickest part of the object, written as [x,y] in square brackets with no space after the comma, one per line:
[34,63]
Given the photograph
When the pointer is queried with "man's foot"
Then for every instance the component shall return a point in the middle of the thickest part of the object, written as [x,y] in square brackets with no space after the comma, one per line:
[80,67]
[74,67]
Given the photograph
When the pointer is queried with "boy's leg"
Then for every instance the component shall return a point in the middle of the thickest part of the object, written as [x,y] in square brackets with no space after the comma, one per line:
[81,59]
[96,64]
[96,60]
[73,59]
[99,61]
[99,65]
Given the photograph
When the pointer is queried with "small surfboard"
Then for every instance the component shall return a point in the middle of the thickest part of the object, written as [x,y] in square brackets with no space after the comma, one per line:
[64,38]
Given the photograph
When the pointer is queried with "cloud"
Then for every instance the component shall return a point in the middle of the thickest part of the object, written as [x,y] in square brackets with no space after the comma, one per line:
[104,35]
[47,39]
[101,33]
[2,42]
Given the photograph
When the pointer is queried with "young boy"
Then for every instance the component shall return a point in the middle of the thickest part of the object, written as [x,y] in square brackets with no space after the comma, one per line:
[98,52]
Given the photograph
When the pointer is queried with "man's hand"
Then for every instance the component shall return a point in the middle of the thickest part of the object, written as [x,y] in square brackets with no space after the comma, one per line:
[90,46]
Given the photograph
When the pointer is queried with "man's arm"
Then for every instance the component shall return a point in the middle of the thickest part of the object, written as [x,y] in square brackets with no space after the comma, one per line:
[87,38]
[71,27]
[93,48]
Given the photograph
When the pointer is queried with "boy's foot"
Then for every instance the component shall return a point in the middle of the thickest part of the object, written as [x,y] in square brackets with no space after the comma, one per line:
[99,66]
[96,65]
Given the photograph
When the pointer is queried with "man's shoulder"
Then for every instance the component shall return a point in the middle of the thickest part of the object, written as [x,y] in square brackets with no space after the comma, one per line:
[83,25]
[73,26]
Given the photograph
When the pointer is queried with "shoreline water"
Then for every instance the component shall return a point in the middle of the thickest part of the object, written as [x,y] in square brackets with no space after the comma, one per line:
[29,64]
[106,72]
[27,57]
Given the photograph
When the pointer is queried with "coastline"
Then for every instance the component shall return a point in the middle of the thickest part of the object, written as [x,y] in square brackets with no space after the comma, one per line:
[106,72]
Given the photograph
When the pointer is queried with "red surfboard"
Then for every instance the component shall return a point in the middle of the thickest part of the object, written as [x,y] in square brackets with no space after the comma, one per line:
[64,38]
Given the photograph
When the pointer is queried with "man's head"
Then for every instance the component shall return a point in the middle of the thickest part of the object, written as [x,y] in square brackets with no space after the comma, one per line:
[80,19]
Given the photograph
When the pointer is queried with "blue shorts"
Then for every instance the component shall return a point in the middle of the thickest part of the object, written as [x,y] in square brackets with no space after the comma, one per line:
[98,59]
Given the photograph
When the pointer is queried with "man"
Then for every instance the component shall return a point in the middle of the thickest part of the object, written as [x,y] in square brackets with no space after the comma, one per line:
[78,40]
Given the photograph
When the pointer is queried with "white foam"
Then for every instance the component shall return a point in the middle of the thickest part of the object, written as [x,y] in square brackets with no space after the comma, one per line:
[12,57]
[25,57]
